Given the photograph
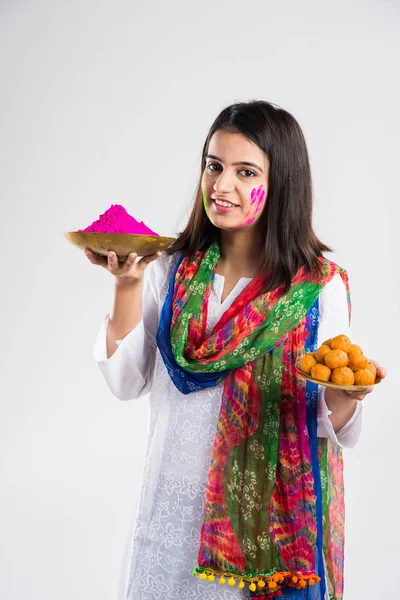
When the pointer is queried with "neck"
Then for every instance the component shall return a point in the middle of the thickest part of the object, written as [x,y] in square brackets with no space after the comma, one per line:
[240,252]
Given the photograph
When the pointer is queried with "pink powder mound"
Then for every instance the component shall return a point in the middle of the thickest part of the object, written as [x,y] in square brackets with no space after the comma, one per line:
[117,220]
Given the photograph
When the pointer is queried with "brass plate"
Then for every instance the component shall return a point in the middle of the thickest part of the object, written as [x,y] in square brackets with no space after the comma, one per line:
[337,386]
[121,243]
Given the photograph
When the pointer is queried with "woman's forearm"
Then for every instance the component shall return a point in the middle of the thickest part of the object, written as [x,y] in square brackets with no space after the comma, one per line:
[125,315]
[342,407]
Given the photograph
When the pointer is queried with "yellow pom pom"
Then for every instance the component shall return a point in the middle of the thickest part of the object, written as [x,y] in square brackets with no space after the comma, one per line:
[241,584]
[231,581]
[222,580]
[210,577]
[261,583]
[202,576]
[252,587]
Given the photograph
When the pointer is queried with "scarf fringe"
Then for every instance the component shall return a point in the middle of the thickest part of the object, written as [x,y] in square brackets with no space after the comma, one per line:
[273,583]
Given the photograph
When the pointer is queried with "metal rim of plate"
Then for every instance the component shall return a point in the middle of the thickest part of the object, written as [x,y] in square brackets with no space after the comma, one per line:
[121,243]
[338,386]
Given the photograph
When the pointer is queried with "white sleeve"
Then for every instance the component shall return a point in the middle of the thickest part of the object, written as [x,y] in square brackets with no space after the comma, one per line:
[129,371]
[334,320]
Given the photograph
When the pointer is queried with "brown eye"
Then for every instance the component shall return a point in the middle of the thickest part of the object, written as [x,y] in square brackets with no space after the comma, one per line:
[248,171]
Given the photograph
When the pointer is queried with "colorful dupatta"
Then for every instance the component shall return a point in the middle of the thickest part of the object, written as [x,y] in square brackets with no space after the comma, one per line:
[274,511]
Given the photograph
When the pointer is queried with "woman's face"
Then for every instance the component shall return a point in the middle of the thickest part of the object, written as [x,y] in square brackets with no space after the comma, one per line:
[229,177]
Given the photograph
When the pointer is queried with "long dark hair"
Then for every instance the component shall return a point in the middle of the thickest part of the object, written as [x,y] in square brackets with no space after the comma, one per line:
[290,241]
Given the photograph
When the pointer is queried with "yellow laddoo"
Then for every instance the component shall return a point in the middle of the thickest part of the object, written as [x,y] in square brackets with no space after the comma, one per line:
[336,358]
[357,359]
[354,348]
[341,362]
[307,363]
[343,376]
[321,372]
[341,342]
[321,352]
[364,377]
[328,343]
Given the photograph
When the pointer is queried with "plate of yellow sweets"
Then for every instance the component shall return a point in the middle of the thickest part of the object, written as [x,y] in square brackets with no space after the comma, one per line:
[340,364]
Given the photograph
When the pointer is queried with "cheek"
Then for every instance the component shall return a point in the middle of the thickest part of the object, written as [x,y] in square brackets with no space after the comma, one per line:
[205,203]
[256,205]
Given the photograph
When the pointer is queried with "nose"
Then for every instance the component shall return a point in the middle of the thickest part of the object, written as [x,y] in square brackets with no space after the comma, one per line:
[223,183]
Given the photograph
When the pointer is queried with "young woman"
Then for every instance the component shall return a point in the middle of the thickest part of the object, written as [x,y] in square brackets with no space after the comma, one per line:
[242,492]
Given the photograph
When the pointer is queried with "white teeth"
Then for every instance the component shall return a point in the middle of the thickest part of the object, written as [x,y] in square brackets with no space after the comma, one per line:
[221,203]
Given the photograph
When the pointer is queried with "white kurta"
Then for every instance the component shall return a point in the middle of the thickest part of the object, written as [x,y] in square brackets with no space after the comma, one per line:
[164,541]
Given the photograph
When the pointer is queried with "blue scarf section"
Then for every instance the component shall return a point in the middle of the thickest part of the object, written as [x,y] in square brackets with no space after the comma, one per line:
[185,381]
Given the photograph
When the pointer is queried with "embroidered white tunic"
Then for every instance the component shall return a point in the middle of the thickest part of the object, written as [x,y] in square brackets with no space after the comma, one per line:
[163,545]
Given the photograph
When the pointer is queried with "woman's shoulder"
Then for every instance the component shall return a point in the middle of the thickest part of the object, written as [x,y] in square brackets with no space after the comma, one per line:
[334,299]
[335,307]
[330,266]
[336,286]
[337,277]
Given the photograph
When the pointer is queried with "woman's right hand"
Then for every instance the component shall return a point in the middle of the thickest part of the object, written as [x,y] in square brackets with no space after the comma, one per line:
[127,273]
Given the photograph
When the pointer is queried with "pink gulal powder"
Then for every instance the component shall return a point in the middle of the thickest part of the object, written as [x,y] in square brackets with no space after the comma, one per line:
[117,220]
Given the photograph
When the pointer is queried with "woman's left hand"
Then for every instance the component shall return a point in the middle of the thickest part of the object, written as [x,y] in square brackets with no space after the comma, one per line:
[343,403]
[380,372]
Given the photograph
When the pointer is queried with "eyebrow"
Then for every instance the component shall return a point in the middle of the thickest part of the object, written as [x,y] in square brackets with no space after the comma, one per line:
[243,162]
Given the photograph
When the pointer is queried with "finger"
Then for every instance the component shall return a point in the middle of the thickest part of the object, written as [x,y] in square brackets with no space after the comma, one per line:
[380,371]
[145,260]
[89,254]
[94,258]
[112,260]
[359,395]
[130,259]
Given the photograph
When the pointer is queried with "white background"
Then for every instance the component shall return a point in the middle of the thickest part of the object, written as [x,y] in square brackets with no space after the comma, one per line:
[110,102]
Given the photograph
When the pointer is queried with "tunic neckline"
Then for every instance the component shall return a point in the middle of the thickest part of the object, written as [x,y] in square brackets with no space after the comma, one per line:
[220,286]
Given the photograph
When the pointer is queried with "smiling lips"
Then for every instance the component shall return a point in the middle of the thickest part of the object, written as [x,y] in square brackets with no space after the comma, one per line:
[221,208]
[222,203]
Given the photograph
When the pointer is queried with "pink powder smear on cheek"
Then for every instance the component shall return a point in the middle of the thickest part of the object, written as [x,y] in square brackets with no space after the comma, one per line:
[260,201]
[253,199]
[255,194]
[117,220]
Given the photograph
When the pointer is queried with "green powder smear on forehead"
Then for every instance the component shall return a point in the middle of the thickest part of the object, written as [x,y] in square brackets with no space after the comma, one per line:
[117,220]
